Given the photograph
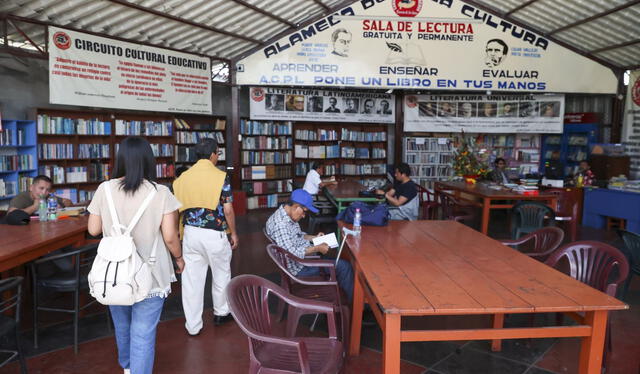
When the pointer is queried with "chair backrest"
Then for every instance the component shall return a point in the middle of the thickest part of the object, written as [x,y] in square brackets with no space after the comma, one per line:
[567,206]
[10,297]
[280,256]
[542,242]
[448,204]
[593,263]
[532,214]
[425,195]
[632,242]
[330,197]
[248,301]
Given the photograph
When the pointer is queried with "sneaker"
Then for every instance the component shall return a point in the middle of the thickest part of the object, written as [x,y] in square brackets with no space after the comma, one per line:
[127,371]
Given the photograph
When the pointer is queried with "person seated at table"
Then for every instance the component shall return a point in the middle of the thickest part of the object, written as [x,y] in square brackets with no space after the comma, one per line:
[29,201]
[553,166]
[403,196]
[498,175]
[284,228]
[313,183]
[585,174]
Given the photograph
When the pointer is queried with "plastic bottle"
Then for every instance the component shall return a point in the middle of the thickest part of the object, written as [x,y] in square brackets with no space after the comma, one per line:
[52,208]
[42,210]
[356,222]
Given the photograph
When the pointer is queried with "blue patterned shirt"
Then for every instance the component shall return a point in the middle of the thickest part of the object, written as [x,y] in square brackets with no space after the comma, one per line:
[207,218]
[288,235]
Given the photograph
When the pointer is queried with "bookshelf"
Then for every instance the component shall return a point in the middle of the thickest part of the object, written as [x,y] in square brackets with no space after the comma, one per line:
[574,145]
[191,129]
[18,159]
[344,150]
[430,159]
[520,151]
[76,149]
[266,155]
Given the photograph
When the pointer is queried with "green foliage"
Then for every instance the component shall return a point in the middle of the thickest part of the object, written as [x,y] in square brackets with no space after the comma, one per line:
[466,160]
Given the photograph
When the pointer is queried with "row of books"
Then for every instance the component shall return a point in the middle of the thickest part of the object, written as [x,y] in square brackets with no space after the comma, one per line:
[267,142]
[24,182]
[268,187]
[528,155]
[418,171]
[16,162]
[93,151]
[7,137]
[84,195]
[302,168]
[76,174]
[188,154]
[55,151]
[363,136]
[248,127]
[266,157]
[319,134]
[72,126]
[263,201]
[266,172]
[317,151]
[363,169]
[218,124]
[55,172]
[429,158]
[184,137]
[165,170]
[146,128]
[429,144]
[162,150]
[353,152]
[8,188]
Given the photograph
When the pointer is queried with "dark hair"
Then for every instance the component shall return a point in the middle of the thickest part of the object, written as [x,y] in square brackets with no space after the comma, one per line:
[499,159]
[314,165]
[134,162]
[205,148]
[336,32]
[404,168]
[505,48]
[42,178]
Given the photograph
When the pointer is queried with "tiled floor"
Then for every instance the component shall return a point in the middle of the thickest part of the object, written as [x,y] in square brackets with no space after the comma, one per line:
[224,349]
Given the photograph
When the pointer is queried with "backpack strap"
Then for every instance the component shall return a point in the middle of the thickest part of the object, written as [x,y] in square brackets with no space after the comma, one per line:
[116,228]
[140,211]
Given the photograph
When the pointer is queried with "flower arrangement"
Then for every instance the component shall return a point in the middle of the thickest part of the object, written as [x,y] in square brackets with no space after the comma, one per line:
[466,162]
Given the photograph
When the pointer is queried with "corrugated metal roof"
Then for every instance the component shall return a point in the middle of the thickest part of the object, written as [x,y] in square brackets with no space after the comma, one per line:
[606,30]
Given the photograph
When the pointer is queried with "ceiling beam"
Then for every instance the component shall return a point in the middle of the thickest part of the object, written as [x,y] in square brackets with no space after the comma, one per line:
[615,46]
[547,36]
[520,7]
[595,16]
[323,5]
[24,35]
[185,21]
[265,13]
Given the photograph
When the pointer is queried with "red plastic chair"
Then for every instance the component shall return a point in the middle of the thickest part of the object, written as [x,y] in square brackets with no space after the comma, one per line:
[312,288]
[540,243]
[269,354]
[567,211]
[452,210]
[593,263]
[428,203]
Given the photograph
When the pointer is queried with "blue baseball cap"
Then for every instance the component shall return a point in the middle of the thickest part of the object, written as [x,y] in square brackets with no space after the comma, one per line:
[303,198]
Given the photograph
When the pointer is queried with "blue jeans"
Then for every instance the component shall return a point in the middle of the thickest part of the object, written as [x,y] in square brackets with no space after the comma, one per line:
[344,273]
[135,328]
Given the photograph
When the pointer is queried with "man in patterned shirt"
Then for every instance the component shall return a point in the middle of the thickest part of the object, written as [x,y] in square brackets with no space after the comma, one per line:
[284,229]
[207,216]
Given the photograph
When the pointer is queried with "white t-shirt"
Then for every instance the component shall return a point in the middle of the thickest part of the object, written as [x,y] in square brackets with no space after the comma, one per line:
[312,182]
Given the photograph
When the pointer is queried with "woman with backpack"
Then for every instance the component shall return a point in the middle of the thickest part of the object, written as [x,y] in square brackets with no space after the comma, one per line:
[151,212]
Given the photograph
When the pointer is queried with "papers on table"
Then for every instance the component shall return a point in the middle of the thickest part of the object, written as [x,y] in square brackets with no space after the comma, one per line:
[330,239]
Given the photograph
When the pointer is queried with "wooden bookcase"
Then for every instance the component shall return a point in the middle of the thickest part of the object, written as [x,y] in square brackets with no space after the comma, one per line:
[266,157]
[18,159]
[190,129]
[345,150]
[430,159]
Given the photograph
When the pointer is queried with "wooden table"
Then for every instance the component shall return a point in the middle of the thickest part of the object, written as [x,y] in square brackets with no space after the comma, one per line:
[348,191]
[428,268]
[21,244]
[482,196]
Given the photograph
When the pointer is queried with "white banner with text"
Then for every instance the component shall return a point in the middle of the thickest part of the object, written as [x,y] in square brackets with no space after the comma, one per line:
[537,114]
[88,70]
[290,104]
[631,126]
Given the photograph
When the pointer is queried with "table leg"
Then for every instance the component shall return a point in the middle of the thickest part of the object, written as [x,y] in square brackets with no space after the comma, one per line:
[592,346]
[356,316]
[498,323]
[391,344]
[486,205]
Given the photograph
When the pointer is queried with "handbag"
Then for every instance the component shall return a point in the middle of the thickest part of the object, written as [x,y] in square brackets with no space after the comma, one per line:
[370,214]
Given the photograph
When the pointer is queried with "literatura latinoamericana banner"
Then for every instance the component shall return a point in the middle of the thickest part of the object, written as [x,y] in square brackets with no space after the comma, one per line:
[88,70]
[422,44]
[484,113]
[290,104]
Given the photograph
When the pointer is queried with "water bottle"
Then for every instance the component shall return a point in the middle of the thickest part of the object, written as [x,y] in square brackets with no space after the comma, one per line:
[356,222]
[52,208]
[42,210]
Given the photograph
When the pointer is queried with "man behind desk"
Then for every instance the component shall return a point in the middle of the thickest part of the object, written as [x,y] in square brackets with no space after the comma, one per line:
[403,195]
[498,175]
[29,201]
[285,230]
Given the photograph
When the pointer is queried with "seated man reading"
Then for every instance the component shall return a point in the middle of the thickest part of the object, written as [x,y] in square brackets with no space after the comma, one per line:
[284,229]
[29,201]
[403,197]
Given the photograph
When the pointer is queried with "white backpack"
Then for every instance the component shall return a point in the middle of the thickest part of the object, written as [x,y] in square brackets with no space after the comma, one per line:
[118,275]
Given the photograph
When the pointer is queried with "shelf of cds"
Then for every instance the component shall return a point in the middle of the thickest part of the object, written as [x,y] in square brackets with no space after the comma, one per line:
[266,155]
[18,158]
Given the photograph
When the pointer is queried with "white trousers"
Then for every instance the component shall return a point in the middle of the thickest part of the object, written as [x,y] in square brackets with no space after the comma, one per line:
[201,249]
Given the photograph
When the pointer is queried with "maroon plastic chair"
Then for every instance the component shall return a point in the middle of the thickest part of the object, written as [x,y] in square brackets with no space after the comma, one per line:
[270,354]
[428,203]
[540,243]
[312,288]
[452,210]
[593,263]
[567,211]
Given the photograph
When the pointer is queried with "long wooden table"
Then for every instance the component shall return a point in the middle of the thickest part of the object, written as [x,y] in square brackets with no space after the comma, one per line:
[428,268]
[348,191]
[21,244]
[482,196]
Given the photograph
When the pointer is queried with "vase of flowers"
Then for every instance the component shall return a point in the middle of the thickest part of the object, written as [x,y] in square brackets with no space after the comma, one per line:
[467,163]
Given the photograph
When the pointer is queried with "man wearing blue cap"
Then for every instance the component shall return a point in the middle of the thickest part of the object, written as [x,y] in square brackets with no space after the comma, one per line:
[284,229]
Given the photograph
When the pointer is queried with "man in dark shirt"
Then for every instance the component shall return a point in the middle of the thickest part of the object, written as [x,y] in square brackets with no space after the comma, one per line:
[403,195]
